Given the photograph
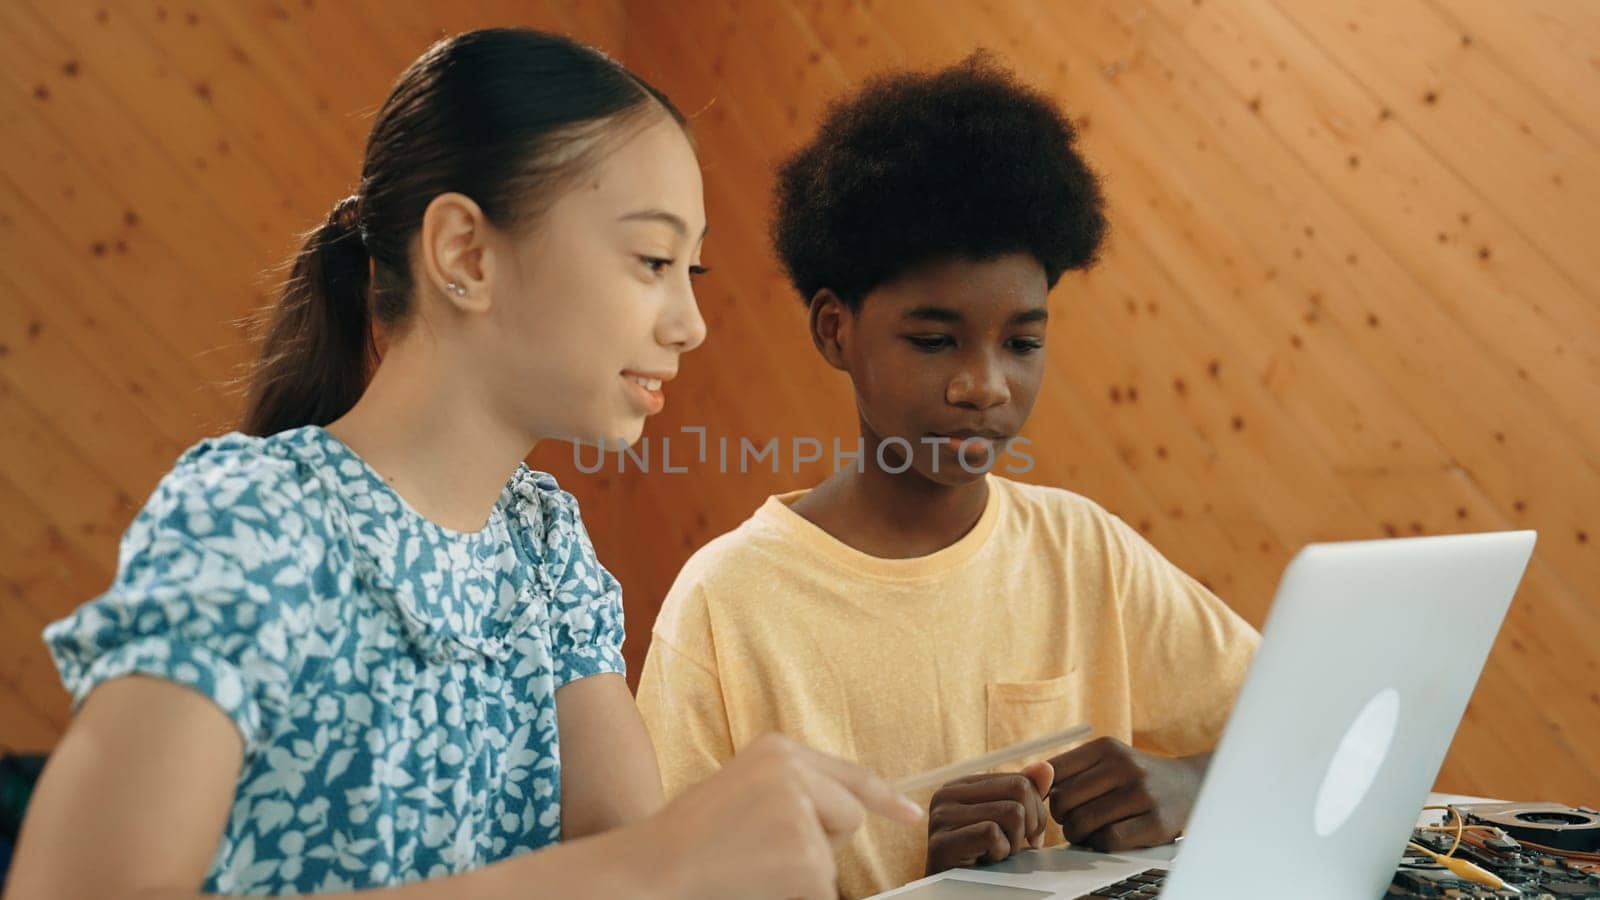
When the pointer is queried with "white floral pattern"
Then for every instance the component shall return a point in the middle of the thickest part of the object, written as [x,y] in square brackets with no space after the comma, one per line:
[394,681]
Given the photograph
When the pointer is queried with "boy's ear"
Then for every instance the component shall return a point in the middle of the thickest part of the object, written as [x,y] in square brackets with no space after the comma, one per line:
[830,326]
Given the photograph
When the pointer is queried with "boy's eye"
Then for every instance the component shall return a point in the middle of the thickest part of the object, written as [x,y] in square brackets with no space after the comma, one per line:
[930,342]
[1026,345]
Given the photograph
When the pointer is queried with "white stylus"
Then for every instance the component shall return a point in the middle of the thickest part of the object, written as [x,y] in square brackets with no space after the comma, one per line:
[936,777]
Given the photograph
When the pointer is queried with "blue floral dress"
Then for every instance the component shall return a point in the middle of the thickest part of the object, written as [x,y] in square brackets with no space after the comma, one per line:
[394,681]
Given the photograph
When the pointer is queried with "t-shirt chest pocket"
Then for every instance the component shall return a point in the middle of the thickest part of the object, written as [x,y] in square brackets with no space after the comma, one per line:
[1020,710]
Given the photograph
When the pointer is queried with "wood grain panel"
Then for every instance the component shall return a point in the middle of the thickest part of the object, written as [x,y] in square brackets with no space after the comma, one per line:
[1278,347]
[160,162]
[1349,293]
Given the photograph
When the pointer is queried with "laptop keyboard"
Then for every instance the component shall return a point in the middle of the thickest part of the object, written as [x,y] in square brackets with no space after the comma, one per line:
[1144,885]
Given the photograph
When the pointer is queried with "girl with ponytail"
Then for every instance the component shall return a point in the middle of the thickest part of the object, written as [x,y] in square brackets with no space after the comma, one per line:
[358,646]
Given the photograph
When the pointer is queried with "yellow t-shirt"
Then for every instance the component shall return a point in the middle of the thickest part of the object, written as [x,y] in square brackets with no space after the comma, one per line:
[1048,613]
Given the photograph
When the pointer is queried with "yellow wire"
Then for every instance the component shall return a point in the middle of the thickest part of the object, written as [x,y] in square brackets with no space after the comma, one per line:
[1461,868]
[1461,826]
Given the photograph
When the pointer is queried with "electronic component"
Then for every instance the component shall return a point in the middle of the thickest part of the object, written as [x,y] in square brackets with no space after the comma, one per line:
[1527,861]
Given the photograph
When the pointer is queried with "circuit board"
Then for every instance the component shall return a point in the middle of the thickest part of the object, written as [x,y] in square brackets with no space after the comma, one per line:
[1534,873]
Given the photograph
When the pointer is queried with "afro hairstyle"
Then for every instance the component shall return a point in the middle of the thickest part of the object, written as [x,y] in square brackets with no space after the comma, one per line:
[918,167]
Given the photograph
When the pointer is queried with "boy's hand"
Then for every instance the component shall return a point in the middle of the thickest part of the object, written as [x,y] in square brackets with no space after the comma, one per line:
[987,818]
[1110,796]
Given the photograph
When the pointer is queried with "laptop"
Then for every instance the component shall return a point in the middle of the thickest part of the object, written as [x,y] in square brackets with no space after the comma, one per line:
[1369,654]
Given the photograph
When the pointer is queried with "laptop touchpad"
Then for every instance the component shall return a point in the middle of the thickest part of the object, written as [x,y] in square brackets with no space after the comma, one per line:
[956,889]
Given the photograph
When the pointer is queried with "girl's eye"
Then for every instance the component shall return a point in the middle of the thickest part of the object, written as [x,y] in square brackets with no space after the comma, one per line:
[698,270]
[656,264]
[930,342]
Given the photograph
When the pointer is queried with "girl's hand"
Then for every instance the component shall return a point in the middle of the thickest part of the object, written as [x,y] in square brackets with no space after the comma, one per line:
[767,825]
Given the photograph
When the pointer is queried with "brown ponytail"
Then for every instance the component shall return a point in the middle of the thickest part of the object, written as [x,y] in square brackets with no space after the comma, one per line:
[318,345]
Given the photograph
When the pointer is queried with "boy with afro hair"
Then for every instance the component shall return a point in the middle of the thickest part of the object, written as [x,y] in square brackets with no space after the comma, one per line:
[916,609]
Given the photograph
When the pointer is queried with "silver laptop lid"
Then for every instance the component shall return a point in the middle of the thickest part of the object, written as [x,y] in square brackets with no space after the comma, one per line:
[1369,655]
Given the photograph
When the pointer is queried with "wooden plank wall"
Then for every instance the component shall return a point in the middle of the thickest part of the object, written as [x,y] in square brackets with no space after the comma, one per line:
[160,159]
[1349,292]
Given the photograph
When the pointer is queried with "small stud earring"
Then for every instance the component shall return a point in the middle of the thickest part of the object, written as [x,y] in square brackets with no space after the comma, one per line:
[456,289]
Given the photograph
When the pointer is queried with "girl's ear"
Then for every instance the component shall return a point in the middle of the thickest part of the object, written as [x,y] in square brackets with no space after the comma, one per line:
[455,254]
